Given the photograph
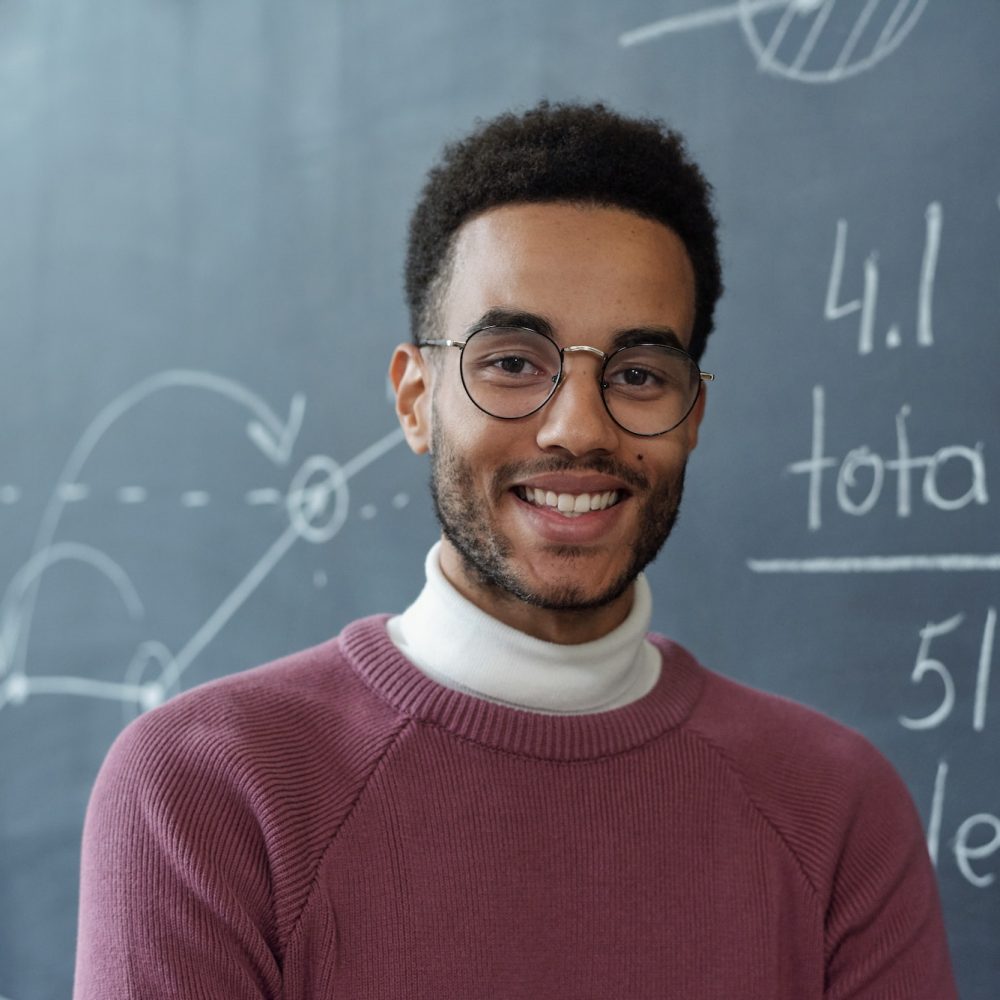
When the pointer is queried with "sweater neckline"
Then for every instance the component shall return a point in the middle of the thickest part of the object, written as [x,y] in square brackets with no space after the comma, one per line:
[486,658]
[565,738]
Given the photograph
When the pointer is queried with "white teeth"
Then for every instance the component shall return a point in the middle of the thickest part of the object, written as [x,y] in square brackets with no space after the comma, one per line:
[570,504]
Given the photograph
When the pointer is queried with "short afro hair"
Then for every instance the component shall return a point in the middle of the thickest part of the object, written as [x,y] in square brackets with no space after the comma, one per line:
[571,153]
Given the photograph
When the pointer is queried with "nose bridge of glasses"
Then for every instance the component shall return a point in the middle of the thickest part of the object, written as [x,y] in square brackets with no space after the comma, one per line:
[585,347]
[576,349]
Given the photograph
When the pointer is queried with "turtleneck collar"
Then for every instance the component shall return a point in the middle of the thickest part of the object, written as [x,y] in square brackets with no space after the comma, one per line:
[461,647]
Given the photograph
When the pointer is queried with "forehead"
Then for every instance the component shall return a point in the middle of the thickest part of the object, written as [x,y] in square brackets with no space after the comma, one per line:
[588,271]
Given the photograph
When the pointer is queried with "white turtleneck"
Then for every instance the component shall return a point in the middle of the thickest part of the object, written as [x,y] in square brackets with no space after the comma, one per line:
[462,647]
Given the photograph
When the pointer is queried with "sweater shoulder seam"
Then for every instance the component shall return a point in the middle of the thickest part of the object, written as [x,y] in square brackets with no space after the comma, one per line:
[752,799]
[405,724]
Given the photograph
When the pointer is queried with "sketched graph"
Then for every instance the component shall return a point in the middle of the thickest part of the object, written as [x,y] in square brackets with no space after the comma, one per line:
[809,41]
[315,506]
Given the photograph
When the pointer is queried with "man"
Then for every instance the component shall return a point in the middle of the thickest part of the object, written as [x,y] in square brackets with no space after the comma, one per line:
[510,789]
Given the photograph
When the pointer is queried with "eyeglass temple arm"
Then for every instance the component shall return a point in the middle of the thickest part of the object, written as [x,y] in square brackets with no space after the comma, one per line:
[440,343]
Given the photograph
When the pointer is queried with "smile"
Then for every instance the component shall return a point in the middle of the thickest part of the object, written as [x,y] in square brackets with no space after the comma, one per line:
[568,504]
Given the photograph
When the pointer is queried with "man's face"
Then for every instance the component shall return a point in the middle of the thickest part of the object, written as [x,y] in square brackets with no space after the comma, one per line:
[588,276]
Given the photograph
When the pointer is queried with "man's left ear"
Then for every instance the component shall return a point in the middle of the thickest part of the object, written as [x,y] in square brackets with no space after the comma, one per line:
[695,417]
[410,378]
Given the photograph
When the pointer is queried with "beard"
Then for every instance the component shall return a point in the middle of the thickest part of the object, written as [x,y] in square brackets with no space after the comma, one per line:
[487,554]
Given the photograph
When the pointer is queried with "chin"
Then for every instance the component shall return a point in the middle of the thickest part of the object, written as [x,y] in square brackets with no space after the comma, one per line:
[559,593]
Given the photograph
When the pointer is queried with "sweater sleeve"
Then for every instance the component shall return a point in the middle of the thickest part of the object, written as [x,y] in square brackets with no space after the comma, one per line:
[885,935]
[175,898]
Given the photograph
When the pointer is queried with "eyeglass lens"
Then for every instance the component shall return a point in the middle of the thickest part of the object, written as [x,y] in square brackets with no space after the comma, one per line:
[648,389]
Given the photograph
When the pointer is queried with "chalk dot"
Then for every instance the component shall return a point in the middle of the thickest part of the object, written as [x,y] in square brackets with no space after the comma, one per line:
[264,495]
[400,500]
[72,492]
[132,494]
[9,494]
[195,498]
[368,511]
[892,338]
[319,579]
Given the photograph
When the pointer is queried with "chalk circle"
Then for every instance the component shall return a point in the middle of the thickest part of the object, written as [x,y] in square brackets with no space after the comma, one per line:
[848,59]
[313,517]
[151,661]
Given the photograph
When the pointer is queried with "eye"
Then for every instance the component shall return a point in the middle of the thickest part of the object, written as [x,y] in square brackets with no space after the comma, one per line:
[648,372]
[514,365]
[636,376]
[511,358]
[636,379]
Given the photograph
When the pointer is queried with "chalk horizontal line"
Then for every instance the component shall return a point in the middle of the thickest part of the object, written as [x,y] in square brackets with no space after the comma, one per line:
[954,563]
[698,19]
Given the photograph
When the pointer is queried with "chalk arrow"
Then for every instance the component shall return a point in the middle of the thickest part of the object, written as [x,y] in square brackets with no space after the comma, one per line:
[276,439]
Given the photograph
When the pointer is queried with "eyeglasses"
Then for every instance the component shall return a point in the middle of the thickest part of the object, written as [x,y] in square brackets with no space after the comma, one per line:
[511,372]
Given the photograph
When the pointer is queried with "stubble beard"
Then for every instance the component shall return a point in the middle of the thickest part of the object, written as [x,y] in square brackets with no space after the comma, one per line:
[487,554]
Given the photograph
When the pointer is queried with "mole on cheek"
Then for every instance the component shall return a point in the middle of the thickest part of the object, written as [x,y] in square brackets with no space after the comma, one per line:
[639,457]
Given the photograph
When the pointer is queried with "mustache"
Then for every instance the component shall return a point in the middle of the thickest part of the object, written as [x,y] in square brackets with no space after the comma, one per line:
[600,464]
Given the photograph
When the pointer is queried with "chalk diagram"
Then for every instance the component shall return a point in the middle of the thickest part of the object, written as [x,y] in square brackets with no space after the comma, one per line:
[808,41]
[315,506]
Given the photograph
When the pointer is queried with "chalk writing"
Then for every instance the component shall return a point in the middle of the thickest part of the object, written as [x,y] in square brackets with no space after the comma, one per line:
[866,306]
[861,476]
[926,665]
[964,851]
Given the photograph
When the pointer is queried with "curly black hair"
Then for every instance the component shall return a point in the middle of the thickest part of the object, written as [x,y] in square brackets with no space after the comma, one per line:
[563,152]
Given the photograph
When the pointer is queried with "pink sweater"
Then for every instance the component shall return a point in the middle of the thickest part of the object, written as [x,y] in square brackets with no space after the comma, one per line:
[337,825]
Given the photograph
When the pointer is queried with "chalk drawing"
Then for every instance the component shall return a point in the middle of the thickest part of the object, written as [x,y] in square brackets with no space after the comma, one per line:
[857,494]
[866,305]
[929,563]
[808,41]
[316,504]
[926,664]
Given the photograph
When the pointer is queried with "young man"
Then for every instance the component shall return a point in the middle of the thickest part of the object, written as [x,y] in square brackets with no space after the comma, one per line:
[511,789]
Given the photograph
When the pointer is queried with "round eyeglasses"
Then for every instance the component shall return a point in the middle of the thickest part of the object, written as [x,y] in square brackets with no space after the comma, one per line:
[511,372]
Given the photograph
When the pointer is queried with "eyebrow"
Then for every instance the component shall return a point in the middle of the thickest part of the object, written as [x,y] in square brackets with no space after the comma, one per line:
[512,317]
[647,335]
[663,335]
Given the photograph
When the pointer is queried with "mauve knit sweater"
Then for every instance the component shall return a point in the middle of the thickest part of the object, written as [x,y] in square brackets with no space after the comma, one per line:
[338,825]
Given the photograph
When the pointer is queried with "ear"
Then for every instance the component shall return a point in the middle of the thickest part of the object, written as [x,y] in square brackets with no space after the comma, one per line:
[411,380]
[694,418]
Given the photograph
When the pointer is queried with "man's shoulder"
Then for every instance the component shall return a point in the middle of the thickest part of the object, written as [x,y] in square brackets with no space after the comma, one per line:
[273,718]
[815,781]
[748,719]
[748,723]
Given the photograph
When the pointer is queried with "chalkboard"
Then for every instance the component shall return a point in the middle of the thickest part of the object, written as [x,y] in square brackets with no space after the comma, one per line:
[203,209]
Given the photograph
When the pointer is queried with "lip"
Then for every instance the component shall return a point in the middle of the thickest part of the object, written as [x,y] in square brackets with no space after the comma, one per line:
[562,482]
[547,524]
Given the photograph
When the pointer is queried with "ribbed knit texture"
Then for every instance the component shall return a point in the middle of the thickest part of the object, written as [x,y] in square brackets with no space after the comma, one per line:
[338,825]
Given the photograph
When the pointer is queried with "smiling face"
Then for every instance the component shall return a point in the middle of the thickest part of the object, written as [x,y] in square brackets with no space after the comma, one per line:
[548,518]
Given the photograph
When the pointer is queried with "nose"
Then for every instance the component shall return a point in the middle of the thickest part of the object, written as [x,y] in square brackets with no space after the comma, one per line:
[575,420]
